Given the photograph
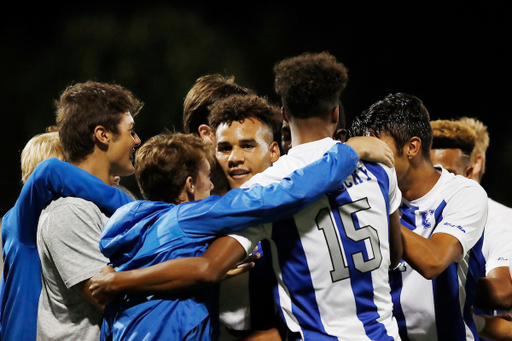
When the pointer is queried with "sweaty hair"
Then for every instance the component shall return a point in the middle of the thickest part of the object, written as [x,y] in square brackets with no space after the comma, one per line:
[482,139]
[84,106]
[207,90]
[400,115]
[164,162]
[310,84]
[39,148]
[237,108]
[453,135]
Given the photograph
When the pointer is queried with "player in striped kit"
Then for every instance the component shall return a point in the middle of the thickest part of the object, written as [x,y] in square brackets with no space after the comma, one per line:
[331,260]
[442,216]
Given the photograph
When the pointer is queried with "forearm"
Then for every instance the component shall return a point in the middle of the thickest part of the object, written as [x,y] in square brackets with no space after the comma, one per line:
[495,291]
[430,257]
[395,239]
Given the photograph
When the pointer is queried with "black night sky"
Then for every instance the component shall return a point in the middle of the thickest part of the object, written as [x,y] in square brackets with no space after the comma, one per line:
[455,57]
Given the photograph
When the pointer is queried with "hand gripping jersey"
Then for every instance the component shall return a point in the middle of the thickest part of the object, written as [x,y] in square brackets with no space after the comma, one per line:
[331,260]
[144,233]
[440,309]
[22,269]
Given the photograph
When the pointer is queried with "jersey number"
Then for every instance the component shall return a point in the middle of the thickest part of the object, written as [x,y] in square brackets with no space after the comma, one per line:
[325,223]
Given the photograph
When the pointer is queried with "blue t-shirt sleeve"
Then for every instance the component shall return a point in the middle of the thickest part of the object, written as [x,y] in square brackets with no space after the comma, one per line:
[242,208]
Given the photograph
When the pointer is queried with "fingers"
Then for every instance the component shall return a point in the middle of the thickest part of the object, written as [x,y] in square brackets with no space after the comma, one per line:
[240,269]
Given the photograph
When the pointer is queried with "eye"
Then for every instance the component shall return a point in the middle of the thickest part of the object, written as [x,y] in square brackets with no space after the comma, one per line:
[224,148]
[248,146]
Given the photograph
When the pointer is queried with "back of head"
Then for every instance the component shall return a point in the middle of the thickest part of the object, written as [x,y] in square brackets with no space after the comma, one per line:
[237,108]
[39,148]
[310,84]
[482,139]
[400,115]
[84,106]
[453,135]
[164,162]
[207,90]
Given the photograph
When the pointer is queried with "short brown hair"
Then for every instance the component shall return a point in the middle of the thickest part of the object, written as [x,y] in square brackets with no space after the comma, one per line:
[164,162]
[84,106]
[482,139]
[39,148]
[453,135]
[310,84]
[207,90]
[238,108]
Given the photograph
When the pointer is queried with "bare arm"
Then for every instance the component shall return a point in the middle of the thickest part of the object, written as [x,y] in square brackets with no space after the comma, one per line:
[372,149]
[497,328]
[395,239]
[173,275]
[430,257]
[83,289]
[495,290]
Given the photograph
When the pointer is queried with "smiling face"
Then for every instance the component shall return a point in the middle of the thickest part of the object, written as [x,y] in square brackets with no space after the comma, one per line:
[245,149]
[122,148]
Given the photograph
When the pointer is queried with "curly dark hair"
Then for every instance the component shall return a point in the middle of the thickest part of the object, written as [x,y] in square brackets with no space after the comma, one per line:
[84,106]
[453,135]
[310,84]
[207,90]
[165,161]
[238,108]
[400,115]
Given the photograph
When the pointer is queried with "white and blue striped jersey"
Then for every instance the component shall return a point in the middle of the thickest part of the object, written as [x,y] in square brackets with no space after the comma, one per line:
[331,260]
[440,309]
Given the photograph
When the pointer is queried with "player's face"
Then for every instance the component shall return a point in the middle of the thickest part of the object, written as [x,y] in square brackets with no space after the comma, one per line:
[245,149]
[122,147]
[401,162]
[203,185]
[450,159]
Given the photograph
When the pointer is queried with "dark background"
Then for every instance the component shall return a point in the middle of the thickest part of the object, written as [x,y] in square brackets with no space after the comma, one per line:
[455,57]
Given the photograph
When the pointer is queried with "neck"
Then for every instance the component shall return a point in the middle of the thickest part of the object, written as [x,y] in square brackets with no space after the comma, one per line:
[98,166]
[304,130]
[419,179]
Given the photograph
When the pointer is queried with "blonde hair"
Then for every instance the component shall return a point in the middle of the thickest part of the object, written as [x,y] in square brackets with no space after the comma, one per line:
[39,148]
[482,138]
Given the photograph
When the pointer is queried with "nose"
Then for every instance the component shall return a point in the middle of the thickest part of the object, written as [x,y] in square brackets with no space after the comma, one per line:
[236,157]
[136,139]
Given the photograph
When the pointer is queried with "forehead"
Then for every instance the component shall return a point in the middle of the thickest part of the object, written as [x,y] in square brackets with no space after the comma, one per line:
[250,128]
[126,119]
[446,156]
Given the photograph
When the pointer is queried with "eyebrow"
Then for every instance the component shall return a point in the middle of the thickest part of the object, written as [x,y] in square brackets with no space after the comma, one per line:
[246,141]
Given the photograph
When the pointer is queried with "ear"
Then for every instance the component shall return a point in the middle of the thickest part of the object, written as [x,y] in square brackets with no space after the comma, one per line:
[335,116]
[477,168]
[340,135]
[206,133]
[102,135]
[189,189]
[274,152]
[413,148]
[468,173]
[285,117]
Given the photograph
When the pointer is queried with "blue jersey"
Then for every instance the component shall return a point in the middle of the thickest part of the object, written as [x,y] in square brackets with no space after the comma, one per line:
[145,233]
[22,266]
[440,309]
[331,260]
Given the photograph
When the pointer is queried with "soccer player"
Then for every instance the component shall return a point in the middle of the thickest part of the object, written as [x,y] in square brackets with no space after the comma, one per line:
[196,108]
[96,130]
[244,129]
[175,169]
[478,163]
[331,260]
[443,218]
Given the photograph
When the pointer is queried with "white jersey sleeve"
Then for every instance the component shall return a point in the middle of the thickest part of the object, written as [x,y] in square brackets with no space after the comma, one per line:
[497,245]
[464,216]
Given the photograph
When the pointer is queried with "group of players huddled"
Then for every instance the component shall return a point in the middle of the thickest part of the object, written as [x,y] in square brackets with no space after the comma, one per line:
[376,232]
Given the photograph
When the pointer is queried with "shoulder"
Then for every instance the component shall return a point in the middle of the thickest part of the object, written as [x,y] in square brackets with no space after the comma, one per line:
[67,205]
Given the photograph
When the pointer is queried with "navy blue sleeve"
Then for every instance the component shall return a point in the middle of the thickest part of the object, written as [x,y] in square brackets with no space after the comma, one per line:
[242,208]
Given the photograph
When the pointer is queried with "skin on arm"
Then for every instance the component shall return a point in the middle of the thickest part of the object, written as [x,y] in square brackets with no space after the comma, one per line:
[498,328]
[173,275]
[395,239]
[495,290]
[372,149]
[430,257]
[83,289]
